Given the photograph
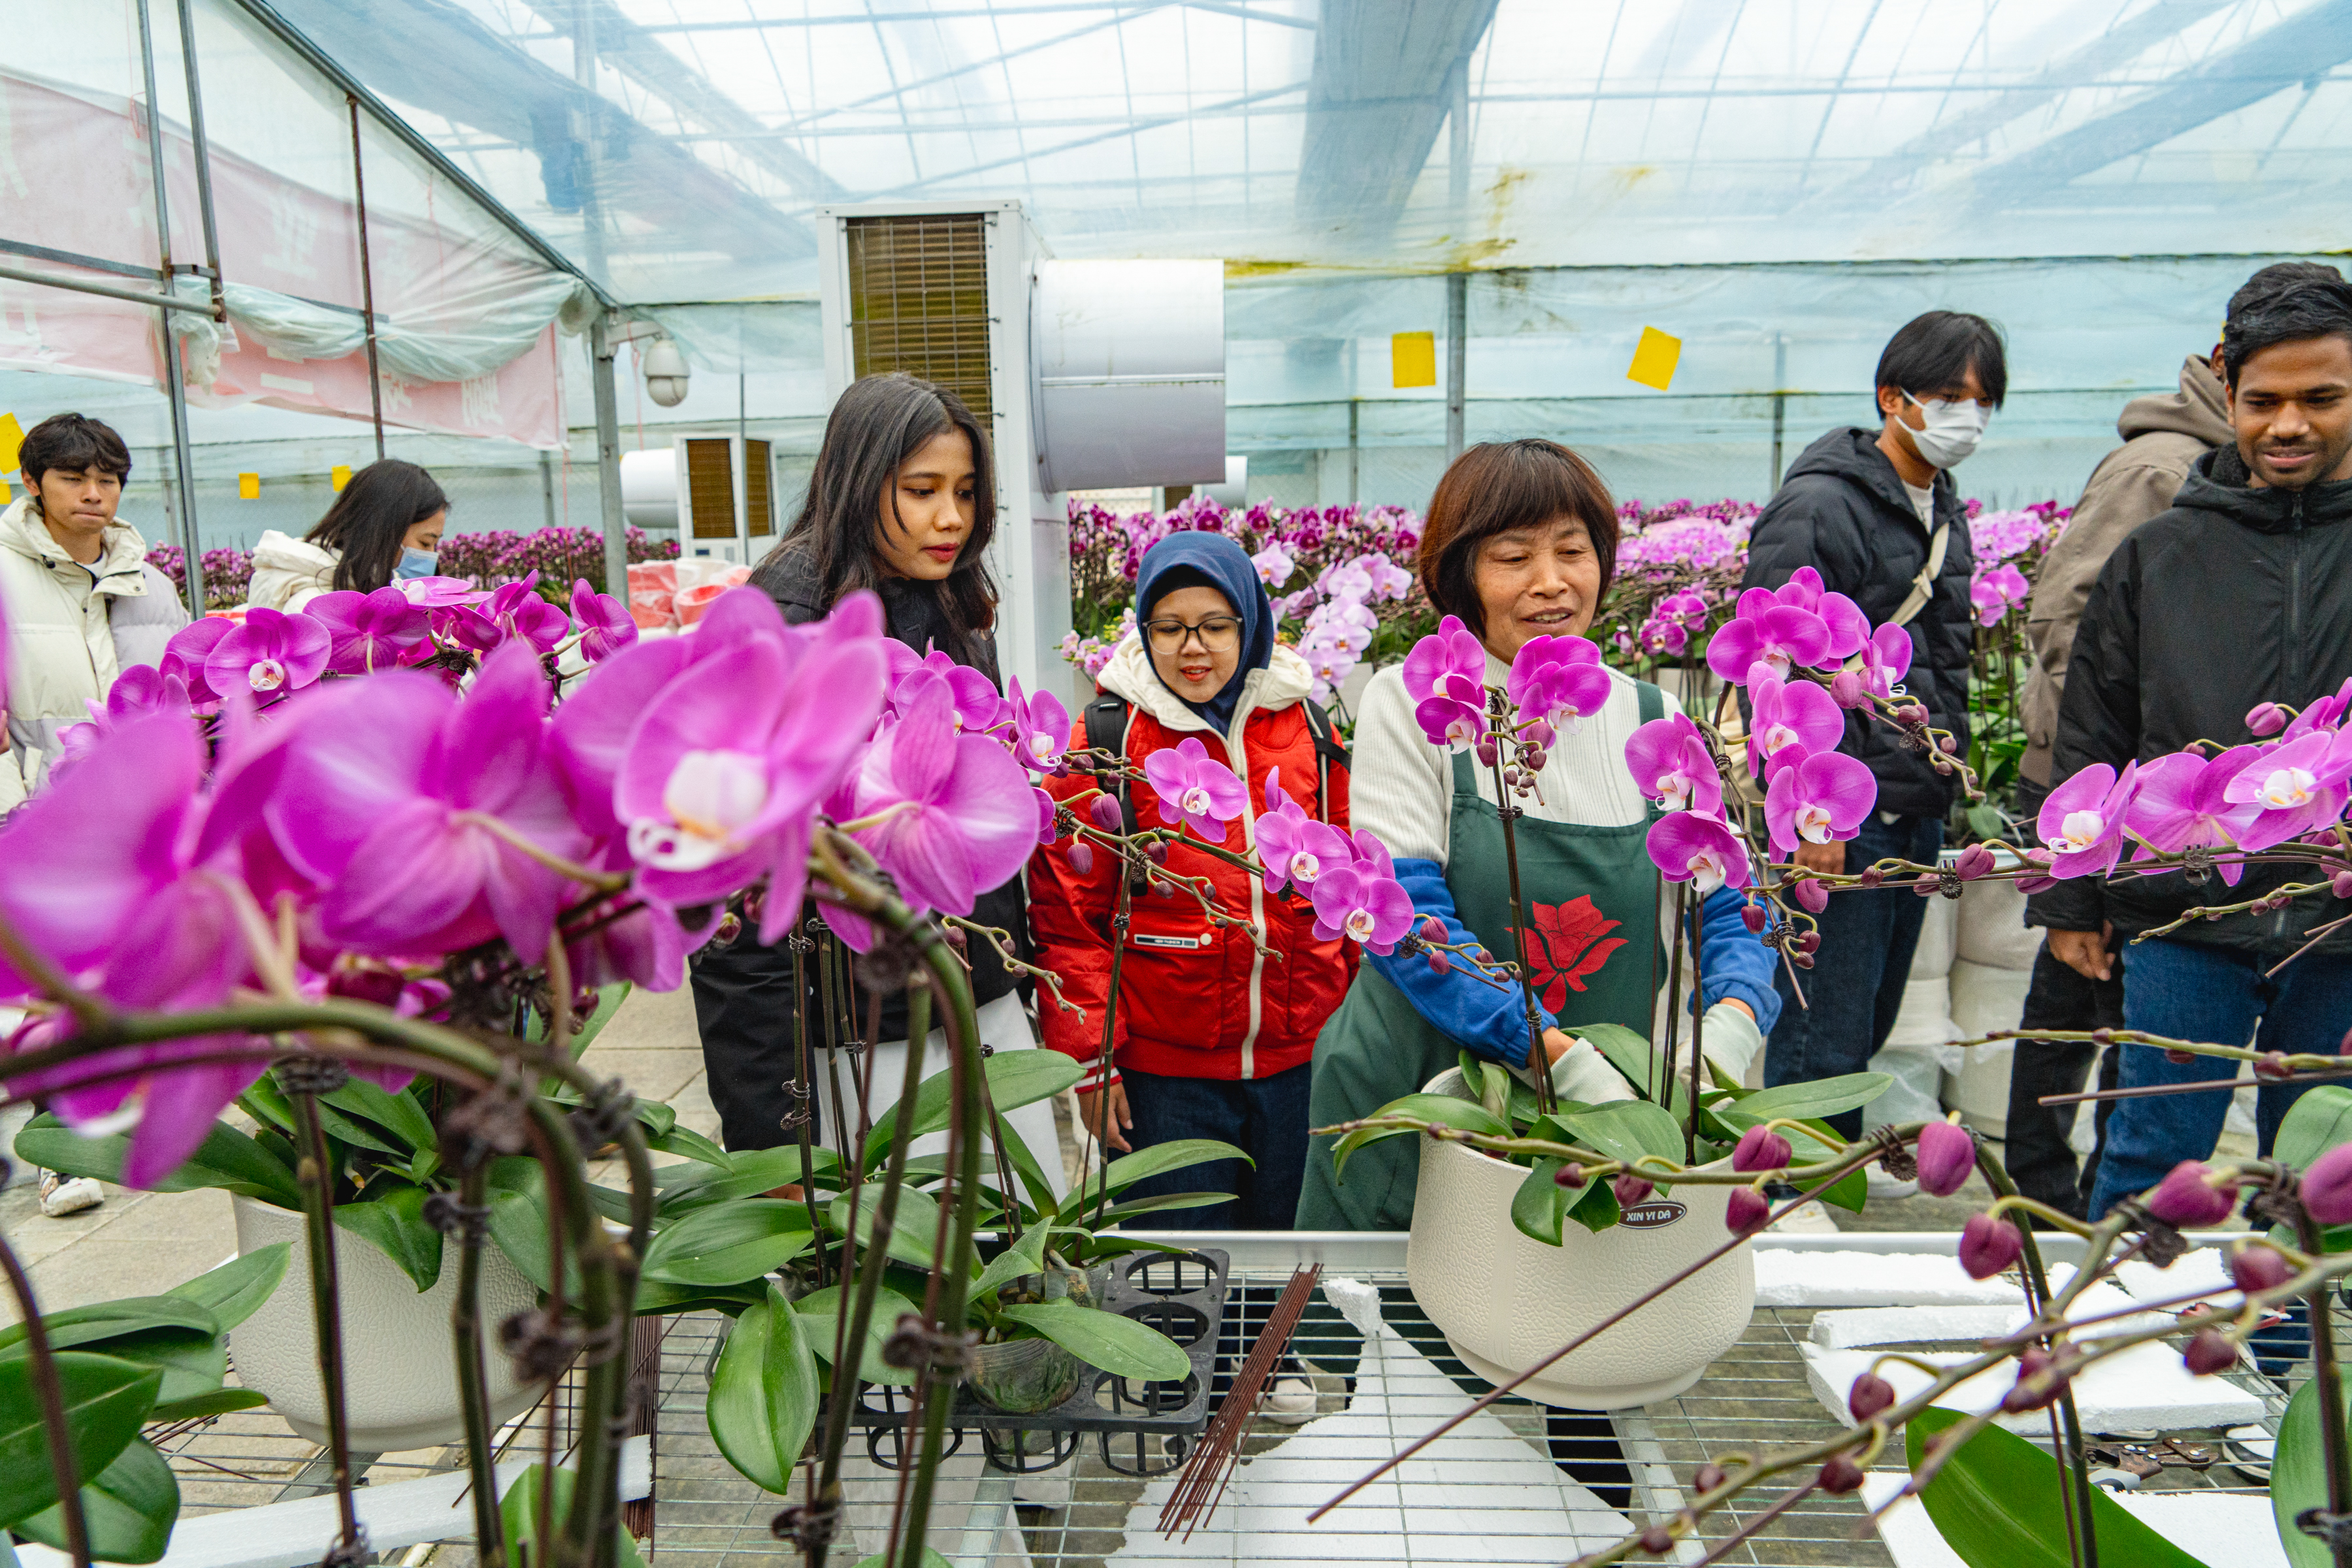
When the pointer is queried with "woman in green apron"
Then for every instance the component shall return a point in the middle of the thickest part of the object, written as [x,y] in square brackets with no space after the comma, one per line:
[1521,538]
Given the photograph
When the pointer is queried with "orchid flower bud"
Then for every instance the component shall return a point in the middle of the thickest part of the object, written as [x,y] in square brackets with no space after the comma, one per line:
[2186,1202]
[1869,1394]
[2209,1350]
[1988,1246]
[1570,1175]
[2272,1065]
[2340,884]
[1747,1211]
[1810,943]
[2026,1393]
[2257,1267]
[1433,930]
[2327,1186]
[1657,1541]
[1975,861]
[2180,1058]
[2265,719]
[1751,915]
[1540,735]
[1629,1189]
[1840,1475]
[1082,859]
[1533,759]
[1707,1478]
[1439,963]
[1947,1154]
[1105,813]
[1870,877]
[1486,751]
[1759,1149]
[1158,853]
[1813,894]
[1847,690]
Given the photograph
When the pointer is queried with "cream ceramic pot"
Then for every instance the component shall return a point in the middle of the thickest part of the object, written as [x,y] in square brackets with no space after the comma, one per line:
[1505,1301]
[399,1375]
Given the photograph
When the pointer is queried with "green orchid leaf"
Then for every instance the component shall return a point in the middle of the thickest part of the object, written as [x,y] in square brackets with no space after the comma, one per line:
[1598,1208]
[1120,1345]
[911,1229]
[2299,1466]
[1997,1504]
[1157,1160]
[1133,1207]
[1023,1258]
[519,1510]
[763,1393]
[396,1225]
[608,1002]
[129,1509]
[817,1313]
[398,1114]
[193,1365]
[94,1324]
[234,1290]
[1627,1129]
[1631,1054]
[218,1402]
[1015,1078]
[728,1243]
[105,1401]
[1540,1204]
[693,1145]
[226,1159]
[2315,1123]
[1444,1110]
[1808,1101]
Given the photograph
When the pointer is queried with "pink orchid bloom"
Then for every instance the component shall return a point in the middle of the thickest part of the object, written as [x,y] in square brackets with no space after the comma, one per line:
[1886,661]
[418,814]
[1451,663]
[977,708]
[1849,629]
[1293,847]
[646,946]
[438,593]
[1195,790]
[1671,765]
[2180,805]
[1769,632]
[1041,728]
[952,814]
[185,654]
[2082,821]
[605,625]
[1274,566]
[518,611]
[271,652]
[721,779]
[369,632]
[1792,721]
[1355,901]
[1825,796]
[1557,679]
[2322,714]
[2296,785]
[1699,849]
[1994,590]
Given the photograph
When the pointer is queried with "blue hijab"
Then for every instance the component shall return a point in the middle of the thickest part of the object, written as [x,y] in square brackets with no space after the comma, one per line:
[1209,561]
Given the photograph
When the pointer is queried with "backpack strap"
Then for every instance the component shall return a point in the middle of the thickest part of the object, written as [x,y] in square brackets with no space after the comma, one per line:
[1328,753]
[1108,720]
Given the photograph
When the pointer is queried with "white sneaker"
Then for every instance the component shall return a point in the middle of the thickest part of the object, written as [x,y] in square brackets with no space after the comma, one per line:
[62,1195]
[1290,1402]
[1808,1219]
[1883,1186]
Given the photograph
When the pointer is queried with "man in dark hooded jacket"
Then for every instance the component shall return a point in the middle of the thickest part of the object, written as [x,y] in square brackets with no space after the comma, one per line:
[1875,512]
[2241,595]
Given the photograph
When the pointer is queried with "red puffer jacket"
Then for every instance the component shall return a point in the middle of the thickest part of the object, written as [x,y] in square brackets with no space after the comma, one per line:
[1195,1001]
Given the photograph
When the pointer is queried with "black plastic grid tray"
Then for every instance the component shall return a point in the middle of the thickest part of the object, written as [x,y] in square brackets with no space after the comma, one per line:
[1154,1421]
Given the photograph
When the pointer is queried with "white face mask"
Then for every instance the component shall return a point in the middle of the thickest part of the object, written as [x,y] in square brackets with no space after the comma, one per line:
[1953,429]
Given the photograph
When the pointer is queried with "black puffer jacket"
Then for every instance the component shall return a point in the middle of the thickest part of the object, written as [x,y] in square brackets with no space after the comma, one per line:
[2233,597]
[1842,511]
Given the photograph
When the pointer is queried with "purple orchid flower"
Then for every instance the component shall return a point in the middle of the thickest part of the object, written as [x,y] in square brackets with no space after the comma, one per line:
[1293,847]
[1825,796]
[271,652]
[1445,674]
[1355,901]
[369,632]
[1041,729]
[2180,805]
[1671,765]
[1793,719]
[2296,785]
[465,626]
[1699,849]
[2323,713]
[1769,632]
[1886,661]
[977,706]
[2082,821]
[185,654]
[605,625]
[438,593]
[518,611]
[644,946]
[1994,590]
[1849,629]
[141,690]
[952,814]
[1195,790]
[1557,679]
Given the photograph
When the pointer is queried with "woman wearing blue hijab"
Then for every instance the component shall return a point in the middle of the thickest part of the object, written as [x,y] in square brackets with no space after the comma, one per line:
[1213,1039]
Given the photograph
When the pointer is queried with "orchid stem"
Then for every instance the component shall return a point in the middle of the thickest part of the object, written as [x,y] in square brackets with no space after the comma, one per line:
[42,1363]
[317,1177]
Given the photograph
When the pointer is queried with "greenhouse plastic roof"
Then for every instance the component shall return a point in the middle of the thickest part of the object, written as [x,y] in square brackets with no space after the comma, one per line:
[1282,135]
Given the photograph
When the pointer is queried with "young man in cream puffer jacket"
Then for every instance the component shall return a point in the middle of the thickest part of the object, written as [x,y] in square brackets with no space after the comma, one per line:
[82,604]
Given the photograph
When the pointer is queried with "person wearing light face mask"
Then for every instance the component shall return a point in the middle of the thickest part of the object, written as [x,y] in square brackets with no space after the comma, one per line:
[1875,513]
[384,525]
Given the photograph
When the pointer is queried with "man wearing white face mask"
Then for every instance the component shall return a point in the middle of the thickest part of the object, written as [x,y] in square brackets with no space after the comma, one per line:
[1875,512]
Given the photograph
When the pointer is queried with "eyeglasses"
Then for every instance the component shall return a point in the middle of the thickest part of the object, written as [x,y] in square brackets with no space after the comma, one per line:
[1218,634]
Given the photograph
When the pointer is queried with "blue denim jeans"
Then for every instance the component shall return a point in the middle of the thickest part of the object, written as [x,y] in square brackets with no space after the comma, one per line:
[1266,1118]
[2216,995]
[1855,986]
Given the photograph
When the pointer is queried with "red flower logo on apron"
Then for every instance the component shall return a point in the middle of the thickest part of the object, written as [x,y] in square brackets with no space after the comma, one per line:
[1570,941]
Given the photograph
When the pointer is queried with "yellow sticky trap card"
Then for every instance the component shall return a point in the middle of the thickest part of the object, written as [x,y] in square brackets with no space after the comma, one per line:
[1654,358]
[1413,359]
[339,476]
[248,487]
[12,437]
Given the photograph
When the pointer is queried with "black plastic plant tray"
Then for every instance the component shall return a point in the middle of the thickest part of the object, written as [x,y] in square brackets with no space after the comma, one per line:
[1142,1428]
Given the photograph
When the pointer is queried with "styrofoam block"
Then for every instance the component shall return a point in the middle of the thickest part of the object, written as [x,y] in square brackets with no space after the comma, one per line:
[2214,1527]
[1875,1279]
[2205,1271]
[1847,1326]
[1993,929]
[2135,1390]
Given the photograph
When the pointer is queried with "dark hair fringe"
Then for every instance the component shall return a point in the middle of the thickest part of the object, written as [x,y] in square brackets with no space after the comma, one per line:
[74,442]
[2311,308]
[880,423]
[1936,349]
[1494,488]
[2277,276]
[369,522]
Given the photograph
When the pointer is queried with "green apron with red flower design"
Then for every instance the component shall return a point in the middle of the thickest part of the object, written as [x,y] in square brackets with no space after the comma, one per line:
[1591,892]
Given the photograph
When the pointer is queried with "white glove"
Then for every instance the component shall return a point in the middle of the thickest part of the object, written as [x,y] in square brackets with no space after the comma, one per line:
[1584,1075]
[1729,1039]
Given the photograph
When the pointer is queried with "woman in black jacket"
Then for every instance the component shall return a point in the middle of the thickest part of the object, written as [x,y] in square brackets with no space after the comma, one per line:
[902,502]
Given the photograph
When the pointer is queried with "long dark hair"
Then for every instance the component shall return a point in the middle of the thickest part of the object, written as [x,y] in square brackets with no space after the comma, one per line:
[371,517]
[880,423]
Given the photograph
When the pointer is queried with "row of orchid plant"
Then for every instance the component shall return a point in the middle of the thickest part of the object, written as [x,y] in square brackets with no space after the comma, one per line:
[486,559]
[1805,659]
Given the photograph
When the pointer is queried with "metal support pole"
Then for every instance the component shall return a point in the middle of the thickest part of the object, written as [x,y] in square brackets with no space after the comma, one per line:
[608,455]
[1780,400]
[174,386]
[204,158]
[1355,453]
[1457,346]
[367,278]
[546,484]
[1457,284]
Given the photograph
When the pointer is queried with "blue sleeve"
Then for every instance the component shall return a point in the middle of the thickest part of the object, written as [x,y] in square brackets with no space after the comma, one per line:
[1733,961]
[1490,1019]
